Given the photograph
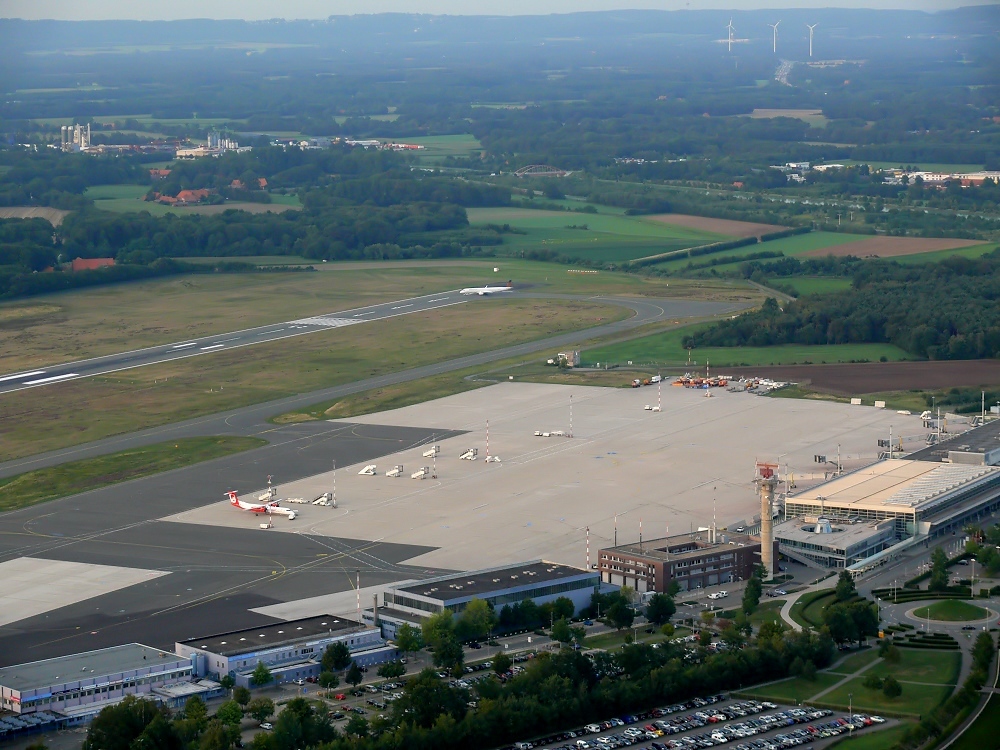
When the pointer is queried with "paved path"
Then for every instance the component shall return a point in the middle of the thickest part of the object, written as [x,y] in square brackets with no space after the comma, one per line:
[844,681]
[253,420]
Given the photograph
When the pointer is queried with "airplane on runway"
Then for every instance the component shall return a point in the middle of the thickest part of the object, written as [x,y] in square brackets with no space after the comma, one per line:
[482,291]
[271,508]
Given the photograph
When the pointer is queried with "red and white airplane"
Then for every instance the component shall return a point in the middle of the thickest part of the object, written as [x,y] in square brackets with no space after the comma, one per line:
[271,508]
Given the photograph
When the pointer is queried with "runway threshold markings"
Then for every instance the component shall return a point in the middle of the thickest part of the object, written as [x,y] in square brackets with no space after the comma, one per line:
[22,375]
[53,379]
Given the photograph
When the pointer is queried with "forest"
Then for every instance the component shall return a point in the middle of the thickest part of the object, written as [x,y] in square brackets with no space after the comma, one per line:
[944,310]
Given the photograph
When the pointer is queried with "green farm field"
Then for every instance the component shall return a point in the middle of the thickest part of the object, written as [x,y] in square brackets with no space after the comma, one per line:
[599,237]
[804,243]
[438,147]
[667,349]
[129,199]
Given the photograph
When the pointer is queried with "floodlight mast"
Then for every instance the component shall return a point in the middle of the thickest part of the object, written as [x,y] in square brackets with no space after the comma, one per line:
[774,28]
[812,28]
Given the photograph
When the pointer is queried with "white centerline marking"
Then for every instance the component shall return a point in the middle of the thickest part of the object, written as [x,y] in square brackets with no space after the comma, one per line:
[54,378]
[184,346]
[400,307]
[23,375]
[439,299]
[213,346]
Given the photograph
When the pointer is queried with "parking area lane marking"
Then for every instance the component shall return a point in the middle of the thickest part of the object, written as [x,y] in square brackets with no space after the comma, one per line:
[53,379]
[22,375]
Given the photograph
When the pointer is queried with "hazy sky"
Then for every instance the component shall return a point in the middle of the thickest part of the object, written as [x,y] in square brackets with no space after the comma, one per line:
[74,10]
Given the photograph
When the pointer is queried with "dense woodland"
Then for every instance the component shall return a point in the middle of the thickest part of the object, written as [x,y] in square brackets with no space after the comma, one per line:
[945,310]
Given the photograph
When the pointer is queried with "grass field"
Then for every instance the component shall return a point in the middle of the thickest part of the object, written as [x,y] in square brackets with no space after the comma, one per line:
[874,739]
[813,117]
[129,199]
[90,409]
[920,665]
[974,251]
[71,478]
[667,349]
[795,690]
[916,700]
[601,237]
[854,662]
[438,147]
[806,602]
[984,731]
[804,243]
[67,326]
[767,612]
[954,610]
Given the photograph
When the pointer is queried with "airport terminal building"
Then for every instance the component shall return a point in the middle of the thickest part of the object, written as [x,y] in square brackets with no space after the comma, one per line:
[694,561]
[80,685]
[537,580]
[291,650]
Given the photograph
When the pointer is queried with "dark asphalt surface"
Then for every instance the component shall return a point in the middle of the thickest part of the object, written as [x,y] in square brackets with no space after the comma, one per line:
[252,420]
[217,574]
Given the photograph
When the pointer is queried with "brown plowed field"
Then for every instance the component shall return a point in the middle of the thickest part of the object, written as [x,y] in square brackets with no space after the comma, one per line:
[875,377]
[52,215]
[727,227]
[890,247]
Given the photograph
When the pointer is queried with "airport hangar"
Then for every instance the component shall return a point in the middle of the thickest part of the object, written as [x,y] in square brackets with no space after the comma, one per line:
[864,516]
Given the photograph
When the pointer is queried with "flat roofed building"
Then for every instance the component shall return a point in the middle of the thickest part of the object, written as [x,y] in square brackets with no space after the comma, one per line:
[833,545]
[291,650]
[83,684]
[537,580]
[921,497]
[694,561]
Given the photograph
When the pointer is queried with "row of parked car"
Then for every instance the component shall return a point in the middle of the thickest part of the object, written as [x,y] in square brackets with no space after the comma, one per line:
[704,712]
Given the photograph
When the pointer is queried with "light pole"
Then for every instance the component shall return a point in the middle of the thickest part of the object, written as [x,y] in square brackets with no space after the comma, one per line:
[850,710]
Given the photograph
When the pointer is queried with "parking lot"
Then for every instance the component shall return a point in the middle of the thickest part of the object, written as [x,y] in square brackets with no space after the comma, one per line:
[708,722]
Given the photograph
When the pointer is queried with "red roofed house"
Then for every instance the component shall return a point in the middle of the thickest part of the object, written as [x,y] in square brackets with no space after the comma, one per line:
[91,264]
[192,196]
[159,174]
[237,185]
[262,182]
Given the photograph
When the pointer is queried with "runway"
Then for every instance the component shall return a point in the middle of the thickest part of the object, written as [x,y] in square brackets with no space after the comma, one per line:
[153,355]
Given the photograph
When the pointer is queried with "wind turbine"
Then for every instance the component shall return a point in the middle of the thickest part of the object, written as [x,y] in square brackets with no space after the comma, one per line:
[774,28]
[730,27]
[811,29]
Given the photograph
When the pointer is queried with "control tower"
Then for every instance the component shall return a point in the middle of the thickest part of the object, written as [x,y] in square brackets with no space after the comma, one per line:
[766,478]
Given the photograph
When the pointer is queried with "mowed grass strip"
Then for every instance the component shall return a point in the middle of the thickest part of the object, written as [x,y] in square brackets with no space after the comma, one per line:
[874,739]
[51,417]
[71,478]
[951,611]
[667,349]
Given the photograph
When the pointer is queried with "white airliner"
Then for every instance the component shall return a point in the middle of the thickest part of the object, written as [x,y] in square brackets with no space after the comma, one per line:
[484,290]
[271,508]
